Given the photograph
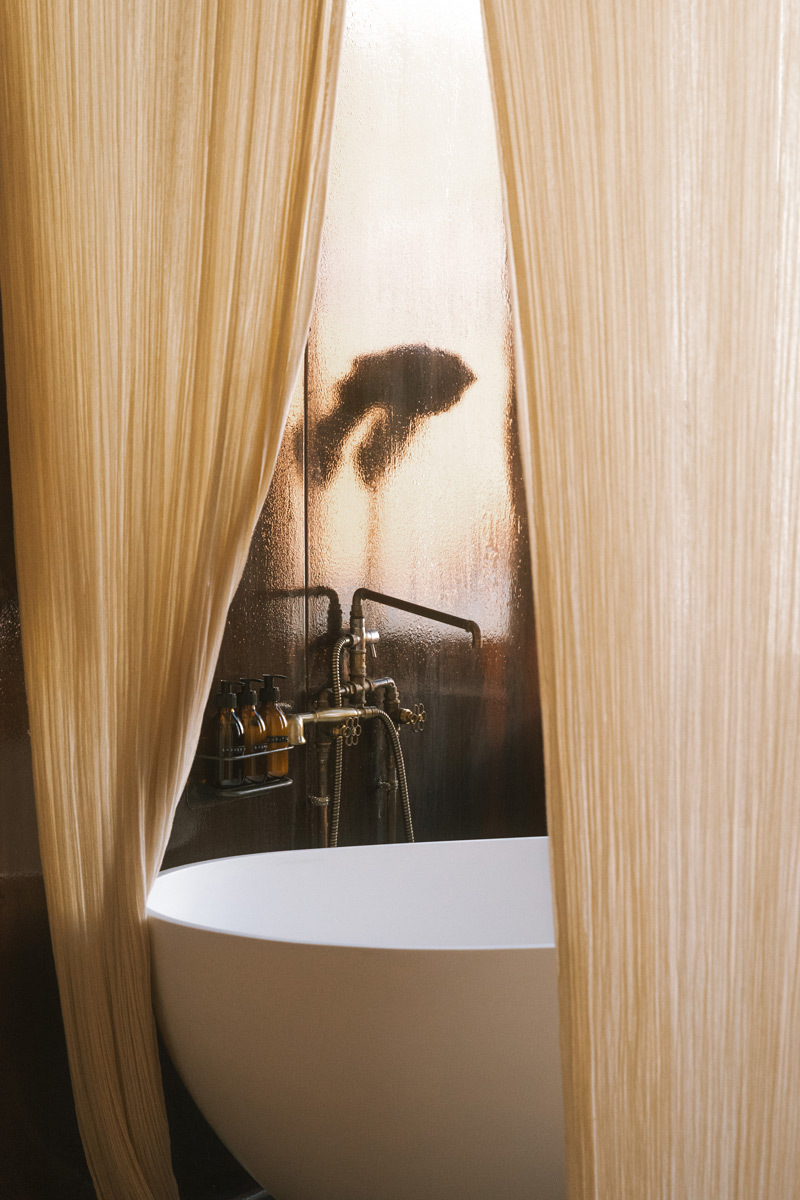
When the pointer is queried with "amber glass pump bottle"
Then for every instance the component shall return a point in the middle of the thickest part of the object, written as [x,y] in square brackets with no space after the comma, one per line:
[254,733]
[276,724]
[228,737]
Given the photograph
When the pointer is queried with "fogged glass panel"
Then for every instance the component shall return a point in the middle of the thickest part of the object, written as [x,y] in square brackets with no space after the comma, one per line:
[413,472]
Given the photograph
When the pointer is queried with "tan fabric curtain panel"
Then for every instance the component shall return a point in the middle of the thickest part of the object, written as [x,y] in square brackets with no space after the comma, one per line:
[651,154]
[162,188]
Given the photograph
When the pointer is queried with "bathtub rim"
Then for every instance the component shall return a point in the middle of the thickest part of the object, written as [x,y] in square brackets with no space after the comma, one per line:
[159,915]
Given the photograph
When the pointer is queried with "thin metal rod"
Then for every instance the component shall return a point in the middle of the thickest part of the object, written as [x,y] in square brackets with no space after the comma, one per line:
[418,610]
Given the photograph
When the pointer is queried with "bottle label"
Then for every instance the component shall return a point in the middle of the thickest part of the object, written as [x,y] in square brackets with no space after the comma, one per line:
[276,740]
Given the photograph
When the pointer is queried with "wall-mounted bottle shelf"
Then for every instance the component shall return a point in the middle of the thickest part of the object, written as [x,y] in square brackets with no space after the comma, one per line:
[203,794]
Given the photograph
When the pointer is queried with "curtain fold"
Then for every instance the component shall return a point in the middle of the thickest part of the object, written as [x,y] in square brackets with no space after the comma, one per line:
[162,190]
[651,158]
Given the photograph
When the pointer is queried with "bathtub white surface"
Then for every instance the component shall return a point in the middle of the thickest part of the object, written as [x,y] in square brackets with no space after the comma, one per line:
[432,895]
[370,1023]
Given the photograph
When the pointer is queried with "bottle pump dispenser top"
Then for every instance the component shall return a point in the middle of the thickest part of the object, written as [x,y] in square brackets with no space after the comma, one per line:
[276,725]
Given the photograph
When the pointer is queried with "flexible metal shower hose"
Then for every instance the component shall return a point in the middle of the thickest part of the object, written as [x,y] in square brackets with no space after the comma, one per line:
[394,737]
[336,803]
[397,750]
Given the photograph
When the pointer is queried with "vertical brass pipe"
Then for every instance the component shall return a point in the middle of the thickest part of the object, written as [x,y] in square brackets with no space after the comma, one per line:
[320,800]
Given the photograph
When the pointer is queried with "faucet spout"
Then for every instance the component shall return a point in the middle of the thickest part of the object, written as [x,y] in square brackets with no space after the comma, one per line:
[296,722]
[419,610]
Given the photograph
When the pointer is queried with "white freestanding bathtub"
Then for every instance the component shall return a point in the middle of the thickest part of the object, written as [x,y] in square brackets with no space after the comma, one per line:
[370,1022]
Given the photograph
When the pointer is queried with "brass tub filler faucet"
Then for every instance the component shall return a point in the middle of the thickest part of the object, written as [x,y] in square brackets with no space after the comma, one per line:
[343,706]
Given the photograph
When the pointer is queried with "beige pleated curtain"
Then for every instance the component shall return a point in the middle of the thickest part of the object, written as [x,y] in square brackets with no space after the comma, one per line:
[162,178]
[651,156]
[161,186]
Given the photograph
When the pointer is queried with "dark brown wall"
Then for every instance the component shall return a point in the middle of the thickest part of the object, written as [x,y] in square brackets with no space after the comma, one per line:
[40,1153]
